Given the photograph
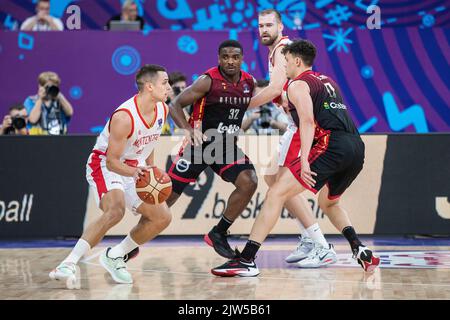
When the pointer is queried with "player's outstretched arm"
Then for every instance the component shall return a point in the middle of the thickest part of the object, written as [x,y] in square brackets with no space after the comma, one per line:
[277,81]
[119,131]
[187,97]
[299,94]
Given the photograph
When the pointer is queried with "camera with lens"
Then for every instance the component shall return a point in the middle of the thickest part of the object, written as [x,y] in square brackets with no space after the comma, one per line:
[51,91]
[266,116]
[18,123]
[176,90]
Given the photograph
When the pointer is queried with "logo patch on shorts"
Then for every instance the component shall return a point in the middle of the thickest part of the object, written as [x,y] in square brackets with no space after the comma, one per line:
[182,165]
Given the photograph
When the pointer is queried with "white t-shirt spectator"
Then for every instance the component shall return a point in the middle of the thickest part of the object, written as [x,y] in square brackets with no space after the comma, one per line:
[42,26]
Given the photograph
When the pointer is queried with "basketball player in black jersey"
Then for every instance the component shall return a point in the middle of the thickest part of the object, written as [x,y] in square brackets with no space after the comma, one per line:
[220,98]
[332,155]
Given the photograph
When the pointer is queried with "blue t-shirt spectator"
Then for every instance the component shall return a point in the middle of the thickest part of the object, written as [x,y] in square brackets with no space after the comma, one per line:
[53,119]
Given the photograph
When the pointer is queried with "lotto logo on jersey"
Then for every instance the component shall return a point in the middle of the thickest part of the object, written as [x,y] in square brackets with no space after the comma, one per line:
[334,105]
[228,129]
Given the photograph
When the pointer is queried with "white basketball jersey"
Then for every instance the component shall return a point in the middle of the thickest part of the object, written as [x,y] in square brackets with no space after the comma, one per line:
[283,41]
[143,136]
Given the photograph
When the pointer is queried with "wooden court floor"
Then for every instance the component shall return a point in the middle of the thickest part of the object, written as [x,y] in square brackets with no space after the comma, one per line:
[179,269]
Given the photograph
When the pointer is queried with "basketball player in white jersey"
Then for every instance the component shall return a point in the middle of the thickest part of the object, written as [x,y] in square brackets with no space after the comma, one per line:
[271,35]
[122,152]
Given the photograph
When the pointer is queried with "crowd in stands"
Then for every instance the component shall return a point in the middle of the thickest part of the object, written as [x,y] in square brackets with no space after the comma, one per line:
[48,112]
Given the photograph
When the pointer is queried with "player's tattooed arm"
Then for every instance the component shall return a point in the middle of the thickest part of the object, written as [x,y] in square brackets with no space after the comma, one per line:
[119,130]
[277,80]
[299,93]
[190,95]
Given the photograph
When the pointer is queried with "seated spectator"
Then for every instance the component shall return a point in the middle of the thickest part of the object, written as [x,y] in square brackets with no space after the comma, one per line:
[129,13]
[49,111]
[177,81]
[15,122]
[266,119]
[42,21]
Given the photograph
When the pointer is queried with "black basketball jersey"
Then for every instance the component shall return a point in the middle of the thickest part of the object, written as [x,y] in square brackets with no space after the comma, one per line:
[224,106]
[330,112]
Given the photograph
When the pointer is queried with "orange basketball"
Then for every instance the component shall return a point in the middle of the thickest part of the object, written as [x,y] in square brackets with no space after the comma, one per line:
[154,187]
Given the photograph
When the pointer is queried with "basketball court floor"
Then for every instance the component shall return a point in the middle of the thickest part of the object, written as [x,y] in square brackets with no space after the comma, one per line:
[171,268]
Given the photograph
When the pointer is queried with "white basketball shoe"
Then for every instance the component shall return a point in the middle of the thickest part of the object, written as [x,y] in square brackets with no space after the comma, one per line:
[304,247]
[116,267]
[68,272]
[318,257]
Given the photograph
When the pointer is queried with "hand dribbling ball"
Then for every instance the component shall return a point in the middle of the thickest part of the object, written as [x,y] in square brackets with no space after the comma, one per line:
[154,186]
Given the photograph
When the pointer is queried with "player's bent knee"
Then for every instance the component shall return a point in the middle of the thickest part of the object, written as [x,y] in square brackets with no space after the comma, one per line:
[247,181]
[275,192]
[115,214]
[325,204]
[270,179]
[163,220]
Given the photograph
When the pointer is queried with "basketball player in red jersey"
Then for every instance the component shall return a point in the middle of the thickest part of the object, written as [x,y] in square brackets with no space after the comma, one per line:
[220,97]
[332,157]
[271,35]
[122,151]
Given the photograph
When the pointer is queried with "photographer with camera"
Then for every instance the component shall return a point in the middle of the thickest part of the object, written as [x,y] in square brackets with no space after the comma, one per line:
[177,81]
[266,119]
[15,122]
[49,111]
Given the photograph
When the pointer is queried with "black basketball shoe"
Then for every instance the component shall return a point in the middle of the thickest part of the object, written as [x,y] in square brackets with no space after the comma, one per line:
[236,267]
[218,240]
[365,257]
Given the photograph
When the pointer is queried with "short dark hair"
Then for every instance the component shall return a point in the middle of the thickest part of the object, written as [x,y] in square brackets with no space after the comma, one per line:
[231,43]
[303,49]
[149,71]
[175,77]
[17,106]
[261,83]
[269,11]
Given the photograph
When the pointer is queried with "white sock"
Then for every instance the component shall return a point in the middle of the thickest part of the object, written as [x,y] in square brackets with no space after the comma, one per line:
[303,231]
[123,248]
[316,234]
[80,249]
